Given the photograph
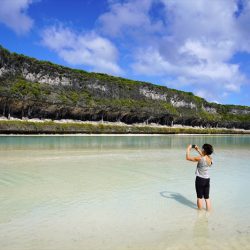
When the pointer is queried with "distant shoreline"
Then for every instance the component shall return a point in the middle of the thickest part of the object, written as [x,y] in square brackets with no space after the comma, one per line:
[46,126]
[124,135]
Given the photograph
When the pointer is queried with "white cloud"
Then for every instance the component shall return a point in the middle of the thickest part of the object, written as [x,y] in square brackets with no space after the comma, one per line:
[215,76]
[196,45]
[128,17]
[13,14]
[151,62]
[87,49]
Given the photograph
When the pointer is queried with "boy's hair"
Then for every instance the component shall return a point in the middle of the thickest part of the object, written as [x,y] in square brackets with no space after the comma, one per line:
[208,149]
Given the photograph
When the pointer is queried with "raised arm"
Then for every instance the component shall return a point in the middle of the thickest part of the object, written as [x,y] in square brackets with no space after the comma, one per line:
[188,157]
[198,150]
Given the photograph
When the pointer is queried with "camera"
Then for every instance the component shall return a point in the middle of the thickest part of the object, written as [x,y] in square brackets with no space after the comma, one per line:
[193,146]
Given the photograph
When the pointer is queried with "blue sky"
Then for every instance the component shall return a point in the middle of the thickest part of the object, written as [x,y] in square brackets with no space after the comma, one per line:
[197,45]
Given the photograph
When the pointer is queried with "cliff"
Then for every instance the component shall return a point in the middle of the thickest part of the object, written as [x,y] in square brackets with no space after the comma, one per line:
[39,89]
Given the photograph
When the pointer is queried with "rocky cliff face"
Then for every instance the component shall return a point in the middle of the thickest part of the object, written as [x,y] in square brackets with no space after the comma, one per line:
[32,88]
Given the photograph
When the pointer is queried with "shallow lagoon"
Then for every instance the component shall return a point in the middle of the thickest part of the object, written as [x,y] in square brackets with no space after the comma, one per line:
[121,192]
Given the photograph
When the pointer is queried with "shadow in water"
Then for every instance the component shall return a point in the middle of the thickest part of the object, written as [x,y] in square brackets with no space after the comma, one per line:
[179,198]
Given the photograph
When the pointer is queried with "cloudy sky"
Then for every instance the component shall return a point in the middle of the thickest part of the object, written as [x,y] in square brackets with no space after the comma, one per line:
[192,45]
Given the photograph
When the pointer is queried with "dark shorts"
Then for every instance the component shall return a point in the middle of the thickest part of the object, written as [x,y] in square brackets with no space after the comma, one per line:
[202,186]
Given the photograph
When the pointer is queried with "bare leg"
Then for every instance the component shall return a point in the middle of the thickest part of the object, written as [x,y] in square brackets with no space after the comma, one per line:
[199,203]
[208,204]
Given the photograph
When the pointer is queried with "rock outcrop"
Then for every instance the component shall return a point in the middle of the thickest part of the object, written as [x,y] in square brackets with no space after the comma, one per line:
[39,89]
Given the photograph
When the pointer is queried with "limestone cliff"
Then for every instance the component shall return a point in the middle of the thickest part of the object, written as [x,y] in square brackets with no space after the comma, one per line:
[39,89]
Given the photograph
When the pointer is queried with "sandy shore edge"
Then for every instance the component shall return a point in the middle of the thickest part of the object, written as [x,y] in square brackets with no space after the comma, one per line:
[76,127]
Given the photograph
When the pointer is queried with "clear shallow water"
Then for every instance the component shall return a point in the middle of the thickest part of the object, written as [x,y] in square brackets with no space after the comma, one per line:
[120,192]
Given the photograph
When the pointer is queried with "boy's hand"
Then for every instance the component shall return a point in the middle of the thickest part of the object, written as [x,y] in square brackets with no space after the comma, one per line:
[198,150]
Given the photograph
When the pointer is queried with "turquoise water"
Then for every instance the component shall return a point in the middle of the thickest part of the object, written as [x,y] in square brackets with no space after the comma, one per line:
[121,192]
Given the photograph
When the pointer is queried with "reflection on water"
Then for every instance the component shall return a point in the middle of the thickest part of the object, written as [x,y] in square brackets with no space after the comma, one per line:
[103,142]
[201,228]
[120,192]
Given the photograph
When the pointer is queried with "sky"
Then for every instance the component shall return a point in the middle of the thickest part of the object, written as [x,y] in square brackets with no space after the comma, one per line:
[197,46]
